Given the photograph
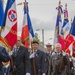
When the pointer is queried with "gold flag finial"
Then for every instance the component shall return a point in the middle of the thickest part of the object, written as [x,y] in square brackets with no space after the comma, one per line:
[59,2]
[66,6]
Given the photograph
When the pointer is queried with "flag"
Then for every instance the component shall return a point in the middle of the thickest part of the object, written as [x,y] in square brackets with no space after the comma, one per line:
[59,8]
[30,28]
[73,51]
[60,35]
[66,25]
[27,27]
[66,29]
[1,13]
[58,28]
[9,33]
[72,32]
[25,32]
[70,37]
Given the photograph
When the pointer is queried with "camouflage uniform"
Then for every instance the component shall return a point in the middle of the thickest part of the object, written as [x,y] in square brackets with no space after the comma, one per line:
[59,62]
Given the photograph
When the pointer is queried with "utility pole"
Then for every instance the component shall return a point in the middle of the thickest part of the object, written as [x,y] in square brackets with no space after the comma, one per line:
[43,37]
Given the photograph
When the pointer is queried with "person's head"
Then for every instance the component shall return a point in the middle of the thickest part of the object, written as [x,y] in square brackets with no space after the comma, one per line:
[34,45]
[48,47]
[18,43]
[58,47]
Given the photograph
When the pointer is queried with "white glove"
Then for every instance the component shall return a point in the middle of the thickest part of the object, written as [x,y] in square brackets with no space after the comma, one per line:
[7,65]
[70,59]
[43,74]
[10,53]
[31,56]
[28,74]
[64,53]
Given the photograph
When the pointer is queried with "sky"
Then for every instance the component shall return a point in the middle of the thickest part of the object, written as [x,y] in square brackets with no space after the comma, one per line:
[43,16]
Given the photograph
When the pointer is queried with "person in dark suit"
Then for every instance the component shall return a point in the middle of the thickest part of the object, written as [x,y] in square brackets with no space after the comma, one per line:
[4,58]
[49,53]
[21,62]
[38,60]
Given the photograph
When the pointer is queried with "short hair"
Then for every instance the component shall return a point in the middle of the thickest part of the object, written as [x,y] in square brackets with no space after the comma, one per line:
[58,45]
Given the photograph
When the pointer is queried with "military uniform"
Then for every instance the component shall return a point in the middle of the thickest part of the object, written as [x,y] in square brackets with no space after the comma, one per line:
[40,64]
[59,62]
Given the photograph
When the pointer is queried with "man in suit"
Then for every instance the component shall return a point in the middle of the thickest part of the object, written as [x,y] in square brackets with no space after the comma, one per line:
[4,58]
[38,59]
[21,61]
[49,53]
[60,61]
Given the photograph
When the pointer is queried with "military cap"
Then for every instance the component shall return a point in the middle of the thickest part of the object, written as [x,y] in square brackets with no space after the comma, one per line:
[35,41]
[48,45]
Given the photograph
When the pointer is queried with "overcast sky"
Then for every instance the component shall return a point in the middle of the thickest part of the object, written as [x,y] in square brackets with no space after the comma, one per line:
[43,13]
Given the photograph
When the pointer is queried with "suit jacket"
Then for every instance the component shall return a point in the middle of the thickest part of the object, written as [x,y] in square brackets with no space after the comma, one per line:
[48,62]
[40,62]
[4,57]
[21,61]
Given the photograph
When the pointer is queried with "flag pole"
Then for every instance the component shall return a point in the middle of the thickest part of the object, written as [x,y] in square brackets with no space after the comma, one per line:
[33,61]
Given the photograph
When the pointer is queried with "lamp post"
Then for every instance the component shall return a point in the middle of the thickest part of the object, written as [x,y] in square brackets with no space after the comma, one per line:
[42,36]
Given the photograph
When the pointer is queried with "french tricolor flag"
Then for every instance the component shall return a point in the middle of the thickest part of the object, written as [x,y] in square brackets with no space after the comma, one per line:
[9,33]
[27,29]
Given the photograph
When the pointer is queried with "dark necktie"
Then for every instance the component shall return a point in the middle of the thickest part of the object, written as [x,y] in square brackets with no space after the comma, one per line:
[49,55]
[16,51]
[58,55]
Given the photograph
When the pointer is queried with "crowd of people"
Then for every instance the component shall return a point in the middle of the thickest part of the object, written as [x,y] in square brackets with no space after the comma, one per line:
[21,61]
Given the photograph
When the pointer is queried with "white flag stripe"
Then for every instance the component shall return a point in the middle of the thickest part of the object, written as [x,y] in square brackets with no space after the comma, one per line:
[70,48]
[66,29]
[25,20]
[8,25]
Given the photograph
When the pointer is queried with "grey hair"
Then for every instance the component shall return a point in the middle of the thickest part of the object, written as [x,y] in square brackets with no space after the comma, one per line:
[58,45]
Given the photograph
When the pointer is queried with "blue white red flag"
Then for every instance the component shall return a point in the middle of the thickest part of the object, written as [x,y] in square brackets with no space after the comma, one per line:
[72,32]
[59,8]
[27,29]
[70,39]
[9,33]
[58,29]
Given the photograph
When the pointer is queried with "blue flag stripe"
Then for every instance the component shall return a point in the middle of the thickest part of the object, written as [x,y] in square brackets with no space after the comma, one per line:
[1,13]
[30,28]
[65,22]
[8,6]
[72,31]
